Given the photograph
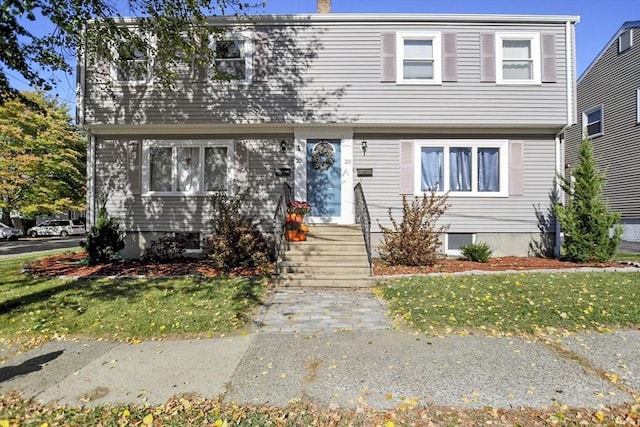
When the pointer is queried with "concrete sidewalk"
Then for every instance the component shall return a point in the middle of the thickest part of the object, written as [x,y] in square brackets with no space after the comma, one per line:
[367,361]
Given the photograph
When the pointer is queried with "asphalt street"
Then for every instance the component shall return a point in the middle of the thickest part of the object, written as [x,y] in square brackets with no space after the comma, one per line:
[28,245]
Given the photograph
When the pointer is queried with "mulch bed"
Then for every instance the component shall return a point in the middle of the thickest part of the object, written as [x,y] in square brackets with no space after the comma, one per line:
[74,265]
[493,264]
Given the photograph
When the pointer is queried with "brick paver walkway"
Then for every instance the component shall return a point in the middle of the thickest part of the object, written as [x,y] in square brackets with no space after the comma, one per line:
[305,310]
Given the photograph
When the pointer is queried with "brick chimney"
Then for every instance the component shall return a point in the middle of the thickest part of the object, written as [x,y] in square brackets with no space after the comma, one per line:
[324,6]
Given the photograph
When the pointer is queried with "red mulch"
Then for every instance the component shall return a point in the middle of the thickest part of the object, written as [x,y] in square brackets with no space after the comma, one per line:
[493,264]
[74,265]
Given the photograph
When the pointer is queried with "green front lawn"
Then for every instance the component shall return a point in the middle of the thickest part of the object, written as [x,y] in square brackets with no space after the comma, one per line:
[35,309]
[516,303]
[32,310]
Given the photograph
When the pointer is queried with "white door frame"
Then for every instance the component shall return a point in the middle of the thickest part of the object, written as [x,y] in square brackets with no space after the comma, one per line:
[301,135]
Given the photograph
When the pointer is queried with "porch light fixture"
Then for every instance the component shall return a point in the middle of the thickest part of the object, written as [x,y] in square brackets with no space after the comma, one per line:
[363,146]
[283,146]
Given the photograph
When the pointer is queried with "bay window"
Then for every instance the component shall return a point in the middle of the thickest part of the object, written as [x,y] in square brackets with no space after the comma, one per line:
[186,167]
[477,168]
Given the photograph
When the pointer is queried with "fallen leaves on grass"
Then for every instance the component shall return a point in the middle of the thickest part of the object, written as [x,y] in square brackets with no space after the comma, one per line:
[542,304]
[193,410]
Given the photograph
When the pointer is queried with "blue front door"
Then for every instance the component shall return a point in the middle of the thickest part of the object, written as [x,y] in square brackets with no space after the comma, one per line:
[324,177]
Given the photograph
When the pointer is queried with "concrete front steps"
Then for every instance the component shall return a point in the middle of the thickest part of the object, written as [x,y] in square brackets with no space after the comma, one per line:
[332,256]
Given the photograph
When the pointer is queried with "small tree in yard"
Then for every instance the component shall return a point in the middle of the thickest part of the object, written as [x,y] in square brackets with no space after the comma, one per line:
[591,230]
[105,239]
[415,240]
[236,241]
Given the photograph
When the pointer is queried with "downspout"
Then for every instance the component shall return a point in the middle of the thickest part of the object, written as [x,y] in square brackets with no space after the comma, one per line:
[558,191]
[81,84]
[570,70]
[91,179]
[570,78]
[81,68]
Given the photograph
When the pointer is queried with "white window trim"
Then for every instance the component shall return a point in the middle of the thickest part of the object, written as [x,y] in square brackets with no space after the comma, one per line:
[147,144]
[536,56]
[436,38]
[247,38]
[132,83]
[456,252]
[502,145]
[630,31]
[585,133]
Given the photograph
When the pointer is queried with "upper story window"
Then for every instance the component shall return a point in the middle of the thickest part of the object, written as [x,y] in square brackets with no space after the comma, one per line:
[419,58]
[133,64]
[187,167]
[518,58]
[592,122]
[233,57]
[464,168]
[625,40]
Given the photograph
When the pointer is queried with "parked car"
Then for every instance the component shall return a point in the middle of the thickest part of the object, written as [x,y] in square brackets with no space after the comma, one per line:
[57,227]
[9,233]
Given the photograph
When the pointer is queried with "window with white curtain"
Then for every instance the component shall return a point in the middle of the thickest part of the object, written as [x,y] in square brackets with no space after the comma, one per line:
[186,167]
[216,161]
[160,169]
[518,58]
[419,58]
[465,168]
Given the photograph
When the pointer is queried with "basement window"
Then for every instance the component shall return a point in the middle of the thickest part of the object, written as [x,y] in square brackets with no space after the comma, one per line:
[454,241]
[191,241]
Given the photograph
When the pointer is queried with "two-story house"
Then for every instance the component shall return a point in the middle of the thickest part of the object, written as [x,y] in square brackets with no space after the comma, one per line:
[608,102]
[471,105]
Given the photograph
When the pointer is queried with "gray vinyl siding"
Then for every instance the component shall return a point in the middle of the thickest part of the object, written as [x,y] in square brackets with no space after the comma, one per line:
[514,214]
[186,213]
[613,81]
[329,72]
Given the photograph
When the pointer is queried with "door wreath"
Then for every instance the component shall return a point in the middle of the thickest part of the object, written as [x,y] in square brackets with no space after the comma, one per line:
[323,155]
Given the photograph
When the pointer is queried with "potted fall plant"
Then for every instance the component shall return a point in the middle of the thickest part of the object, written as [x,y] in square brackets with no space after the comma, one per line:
[292,229]
[299,208]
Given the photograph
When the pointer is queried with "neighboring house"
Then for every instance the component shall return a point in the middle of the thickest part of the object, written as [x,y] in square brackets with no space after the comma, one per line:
[608,94]
[403,103]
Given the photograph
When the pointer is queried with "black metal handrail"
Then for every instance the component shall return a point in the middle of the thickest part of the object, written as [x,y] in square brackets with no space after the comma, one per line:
[281,245]
[363,218]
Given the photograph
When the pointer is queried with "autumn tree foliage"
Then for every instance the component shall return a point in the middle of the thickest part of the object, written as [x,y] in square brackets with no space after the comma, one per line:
[95,26]
[43,156]
[591,231]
